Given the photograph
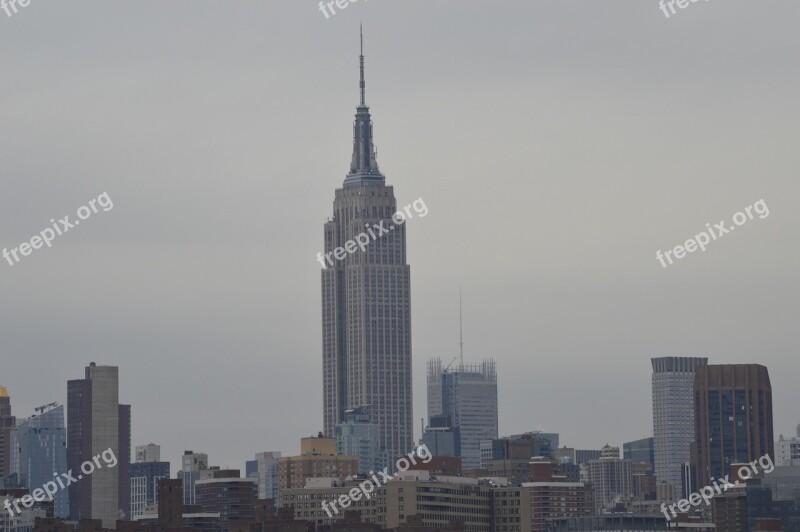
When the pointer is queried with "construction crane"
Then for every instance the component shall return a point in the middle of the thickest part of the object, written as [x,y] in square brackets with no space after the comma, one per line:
[41,409]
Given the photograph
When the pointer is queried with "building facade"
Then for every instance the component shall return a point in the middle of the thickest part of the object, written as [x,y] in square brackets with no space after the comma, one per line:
[40,450]
[192,465]
[467,395]
[234,499]
[673,417]
[7,422]
[611,478]
[268,474]
[733,418]
[148,453]
[787,450]
[358,436]
[96,422]
[144,485]
[366,300]
[639,451]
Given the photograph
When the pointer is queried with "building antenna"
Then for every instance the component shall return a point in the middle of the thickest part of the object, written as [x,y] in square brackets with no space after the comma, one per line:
[460,329]
[361,61]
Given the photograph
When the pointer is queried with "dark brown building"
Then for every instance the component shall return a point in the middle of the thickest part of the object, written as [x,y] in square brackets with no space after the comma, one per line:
[733,418]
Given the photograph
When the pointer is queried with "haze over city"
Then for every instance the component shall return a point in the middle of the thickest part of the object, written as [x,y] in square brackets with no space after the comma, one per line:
[557,146]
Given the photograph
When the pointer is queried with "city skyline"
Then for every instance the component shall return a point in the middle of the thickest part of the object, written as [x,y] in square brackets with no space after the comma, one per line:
[549,195]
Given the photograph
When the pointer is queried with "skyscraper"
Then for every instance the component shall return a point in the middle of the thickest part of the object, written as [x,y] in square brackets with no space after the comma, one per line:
[97,422]
[40,449]
[733,418]
[468,396]
[366,307]
[673,416]
[6,424]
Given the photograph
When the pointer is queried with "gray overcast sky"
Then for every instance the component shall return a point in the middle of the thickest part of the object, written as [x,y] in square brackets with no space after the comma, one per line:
[558,145]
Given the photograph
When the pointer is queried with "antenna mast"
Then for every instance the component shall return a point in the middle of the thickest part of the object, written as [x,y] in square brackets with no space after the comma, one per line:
[460,329]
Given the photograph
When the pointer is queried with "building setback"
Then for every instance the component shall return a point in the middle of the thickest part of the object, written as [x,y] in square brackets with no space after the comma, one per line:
[366,300]
[733,418]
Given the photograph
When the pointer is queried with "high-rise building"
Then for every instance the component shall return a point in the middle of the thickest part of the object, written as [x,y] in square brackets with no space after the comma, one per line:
[192,465]
[673,417]
[145,474]
[611,478]
[366,300]
[40,449]
[6,424]
[733,418]
[96,422]
[468,396]
[358,436]
[267,474]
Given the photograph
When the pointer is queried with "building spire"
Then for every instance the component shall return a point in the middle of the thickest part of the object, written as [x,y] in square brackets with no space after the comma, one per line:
[362,83]
[364,166]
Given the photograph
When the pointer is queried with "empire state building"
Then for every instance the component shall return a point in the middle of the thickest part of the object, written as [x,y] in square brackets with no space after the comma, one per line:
[366,305]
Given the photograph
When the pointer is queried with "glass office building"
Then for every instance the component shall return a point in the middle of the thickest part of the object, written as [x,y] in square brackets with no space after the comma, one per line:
[39,450]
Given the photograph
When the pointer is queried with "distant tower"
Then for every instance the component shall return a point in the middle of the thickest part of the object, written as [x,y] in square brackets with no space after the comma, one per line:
[97,422]
[673,416]
[366,301]
[6,424]
[467,396]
